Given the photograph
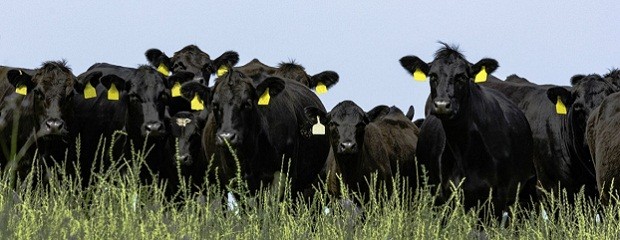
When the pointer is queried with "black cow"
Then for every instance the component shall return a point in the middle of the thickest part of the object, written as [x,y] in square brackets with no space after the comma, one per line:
[367,143]
[604,145]
[132,100]
[189,63]
[320,82]
[488,141]
[264,133]
[186,130]
[38,103]
[586,94]
[550,155]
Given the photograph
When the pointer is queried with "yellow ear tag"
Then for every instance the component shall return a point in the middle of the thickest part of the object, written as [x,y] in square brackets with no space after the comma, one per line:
[481,76]
[176,89]
[113,94]
[89,91]
[264,99]
[418,75]
[318,128]
[197,103]
[321,88]
[221,71]
[560,108]
[21,89]
[163,70]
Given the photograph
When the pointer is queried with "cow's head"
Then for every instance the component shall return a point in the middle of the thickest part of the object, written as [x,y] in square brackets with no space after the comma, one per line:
[190,59]
[186,128]
[587,93]
[51,89]
[296,72]
[345,126]
[451,77]
[235,106]
[146,96]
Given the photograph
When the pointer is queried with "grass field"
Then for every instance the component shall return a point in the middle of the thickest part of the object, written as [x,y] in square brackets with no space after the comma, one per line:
[117,206]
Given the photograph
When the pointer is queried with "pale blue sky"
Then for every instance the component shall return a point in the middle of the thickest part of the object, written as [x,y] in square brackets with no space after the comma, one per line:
[544,41]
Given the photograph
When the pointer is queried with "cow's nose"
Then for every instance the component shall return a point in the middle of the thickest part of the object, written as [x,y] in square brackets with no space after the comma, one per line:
[184,159]
[442,107]
[200,79]
[54,124]
[229,137]
[347,147]
[154,127]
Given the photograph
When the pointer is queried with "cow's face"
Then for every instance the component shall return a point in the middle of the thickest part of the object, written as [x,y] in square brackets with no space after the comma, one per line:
[191,60]
[235,106]
[186,128]
[146,97]
[345,126]
[51,88]
[451,77]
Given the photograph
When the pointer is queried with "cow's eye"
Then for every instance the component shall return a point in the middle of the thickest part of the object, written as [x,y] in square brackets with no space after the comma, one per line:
[163,97]
[38,94]
[246,105]
[134,97]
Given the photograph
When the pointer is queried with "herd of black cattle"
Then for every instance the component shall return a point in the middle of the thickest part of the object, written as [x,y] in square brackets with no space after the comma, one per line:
[479,131]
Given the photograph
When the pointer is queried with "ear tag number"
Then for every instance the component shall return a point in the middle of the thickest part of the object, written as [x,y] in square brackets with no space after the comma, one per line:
[89,91]
[560,108]
[318,128]
[196,103]
[264,99]
[321,88]
[481,76]
[221,71]
[176,89]
[163,70]
[113,94]
[419,76]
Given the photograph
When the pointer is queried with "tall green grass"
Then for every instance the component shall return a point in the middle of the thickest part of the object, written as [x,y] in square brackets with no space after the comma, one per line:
[117,206]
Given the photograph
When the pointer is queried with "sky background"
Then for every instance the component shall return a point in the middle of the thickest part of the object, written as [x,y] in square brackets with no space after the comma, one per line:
[543,41]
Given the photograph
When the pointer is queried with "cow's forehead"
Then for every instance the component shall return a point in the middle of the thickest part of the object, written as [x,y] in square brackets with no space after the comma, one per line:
[450,66]
[347,114]
[591,84]
[231,89]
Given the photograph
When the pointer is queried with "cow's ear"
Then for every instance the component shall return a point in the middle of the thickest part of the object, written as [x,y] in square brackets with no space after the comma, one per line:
[175,81]
[377,112]
[483,68]
[268,88]
[192,88]
[415,66]
[323,81]
[115,86]
[21,81]
[313,112]
[86,85]
[574,80]
[561,98]
[410,113]
[197,94]
[159,60]
[223,63]
[418,122]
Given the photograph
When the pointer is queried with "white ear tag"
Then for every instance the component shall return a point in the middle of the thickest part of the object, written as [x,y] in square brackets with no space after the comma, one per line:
[318,128]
